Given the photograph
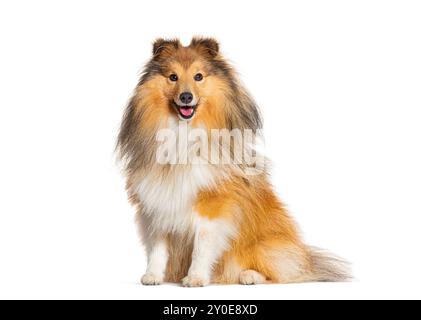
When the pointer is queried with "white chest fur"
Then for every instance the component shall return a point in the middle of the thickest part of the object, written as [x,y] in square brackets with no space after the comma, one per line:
[168,199]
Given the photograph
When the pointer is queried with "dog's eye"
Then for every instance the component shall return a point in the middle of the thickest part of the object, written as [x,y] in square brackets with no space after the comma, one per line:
[198,77]
[173,77]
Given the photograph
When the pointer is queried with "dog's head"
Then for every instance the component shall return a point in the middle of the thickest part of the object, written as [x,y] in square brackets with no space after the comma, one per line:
[188,78]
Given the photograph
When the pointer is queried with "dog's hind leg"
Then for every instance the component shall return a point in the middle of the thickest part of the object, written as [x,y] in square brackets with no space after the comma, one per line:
[252,277]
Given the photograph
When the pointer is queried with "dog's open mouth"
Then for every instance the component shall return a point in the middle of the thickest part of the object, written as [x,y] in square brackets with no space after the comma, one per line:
[185,112]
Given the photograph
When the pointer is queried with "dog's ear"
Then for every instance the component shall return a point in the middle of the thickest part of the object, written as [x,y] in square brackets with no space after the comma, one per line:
[208,46]
[163,48]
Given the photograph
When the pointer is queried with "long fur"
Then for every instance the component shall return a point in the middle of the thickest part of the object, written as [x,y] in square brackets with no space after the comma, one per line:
[172,201]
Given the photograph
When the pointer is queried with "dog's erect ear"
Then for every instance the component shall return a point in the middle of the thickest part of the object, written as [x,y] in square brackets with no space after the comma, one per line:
[163,48]
[207,46]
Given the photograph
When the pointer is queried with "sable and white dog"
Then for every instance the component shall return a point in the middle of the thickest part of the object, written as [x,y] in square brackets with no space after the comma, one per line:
[205,208]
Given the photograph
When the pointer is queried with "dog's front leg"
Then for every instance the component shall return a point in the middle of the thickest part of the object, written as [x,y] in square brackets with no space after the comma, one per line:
[210,240]
[157,261]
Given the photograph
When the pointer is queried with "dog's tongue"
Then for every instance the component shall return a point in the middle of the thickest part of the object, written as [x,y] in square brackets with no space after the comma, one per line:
[187,112]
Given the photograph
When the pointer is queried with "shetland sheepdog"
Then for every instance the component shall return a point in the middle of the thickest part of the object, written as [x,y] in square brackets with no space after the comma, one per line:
[207,216]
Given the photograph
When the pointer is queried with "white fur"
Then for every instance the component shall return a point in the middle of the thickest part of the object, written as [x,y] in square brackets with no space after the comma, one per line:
[167,200]
[211,239]
[157,262]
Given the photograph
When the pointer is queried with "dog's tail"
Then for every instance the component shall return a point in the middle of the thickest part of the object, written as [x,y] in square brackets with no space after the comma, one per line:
[327,267]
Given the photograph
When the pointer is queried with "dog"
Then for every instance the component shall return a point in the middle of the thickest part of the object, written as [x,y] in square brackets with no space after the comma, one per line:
[207,222]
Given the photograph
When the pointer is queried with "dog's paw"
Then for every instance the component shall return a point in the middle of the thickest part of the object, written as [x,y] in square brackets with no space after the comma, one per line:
[150,279]
[251,277]
[195,281]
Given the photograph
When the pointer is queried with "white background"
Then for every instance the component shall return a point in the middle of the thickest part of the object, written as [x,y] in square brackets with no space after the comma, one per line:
[339,86]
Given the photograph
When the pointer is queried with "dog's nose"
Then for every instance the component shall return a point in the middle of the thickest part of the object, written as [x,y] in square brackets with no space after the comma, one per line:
[186,97]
